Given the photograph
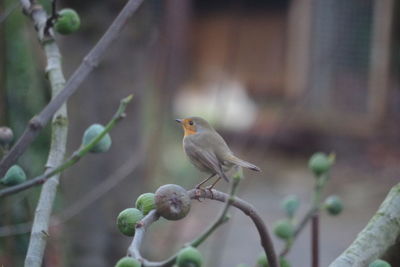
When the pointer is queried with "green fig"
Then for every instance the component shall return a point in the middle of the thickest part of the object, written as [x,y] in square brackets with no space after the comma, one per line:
[290,205]
[320,163]
[15,175]
[189,257]
[334,205]
[128,262]
[379,263]
[127,220]
[91,133]
[284,229]
[68,21]
[146,202]
[284,262]
[262,260]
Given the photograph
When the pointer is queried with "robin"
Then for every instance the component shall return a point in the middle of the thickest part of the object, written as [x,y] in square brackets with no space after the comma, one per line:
[208,151]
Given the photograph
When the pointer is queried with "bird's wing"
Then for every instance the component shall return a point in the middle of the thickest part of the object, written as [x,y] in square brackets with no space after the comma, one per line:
[214,142]
[209,160]
[237,161]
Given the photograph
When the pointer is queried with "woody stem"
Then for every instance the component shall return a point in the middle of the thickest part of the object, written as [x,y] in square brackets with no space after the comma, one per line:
[244,206]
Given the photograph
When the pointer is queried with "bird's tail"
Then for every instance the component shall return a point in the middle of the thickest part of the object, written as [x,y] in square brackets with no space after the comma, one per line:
[235,160]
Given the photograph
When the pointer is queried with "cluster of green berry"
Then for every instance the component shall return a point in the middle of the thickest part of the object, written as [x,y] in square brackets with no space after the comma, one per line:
[187,257]
[286,228]
[172,202]
[319,164]
[16,175]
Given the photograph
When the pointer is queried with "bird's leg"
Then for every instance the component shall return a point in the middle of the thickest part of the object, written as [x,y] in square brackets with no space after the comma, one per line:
[212,186]
[205,181]
[198,187]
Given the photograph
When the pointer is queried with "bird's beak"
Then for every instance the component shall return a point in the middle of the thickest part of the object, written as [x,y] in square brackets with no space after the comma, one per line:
[178,120]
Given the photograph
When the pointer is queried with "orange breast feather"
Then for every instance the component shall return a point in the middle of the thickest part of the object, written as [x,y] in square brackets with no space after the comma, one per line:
[189,131]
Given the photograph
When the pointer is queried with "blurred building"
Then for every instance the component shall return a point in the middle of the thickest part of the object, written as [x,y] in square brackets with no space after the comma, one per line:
[331,58]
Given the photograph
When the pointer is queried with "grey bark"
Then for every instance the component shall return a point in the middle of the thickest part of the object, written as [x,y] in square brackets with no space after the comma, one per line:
[377,237]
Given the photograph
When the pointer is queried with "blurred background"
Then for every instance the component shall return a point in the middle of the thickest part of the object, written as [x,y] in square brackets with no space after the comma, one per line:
[279,79]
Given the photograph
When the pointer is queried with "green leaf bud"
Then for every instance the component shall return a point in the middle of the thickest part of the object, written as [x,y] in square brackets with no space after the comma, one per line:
[127,220]
[15,175]
[320,163]
[128,262]
[262,260]
[189,257]
[67,22]
[91,133]
[146,202]
[172,202]
[284,262]
[379,263]
[284,229]
[238,174]
[334,205]
[290,205]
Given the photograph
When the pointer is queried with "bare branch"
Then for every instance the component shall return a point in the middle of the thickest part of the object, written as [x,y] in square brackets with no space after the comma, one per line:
[133,249]
[74,158]
[244,206]
[59,128]
[377,237]
[91,60]
[222,217]
[96,193]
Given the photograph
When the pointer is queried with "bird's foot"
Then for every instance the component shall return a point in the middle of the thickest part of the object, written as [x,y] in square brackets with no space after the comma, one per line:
[210,188]
[198,193]
[198,186]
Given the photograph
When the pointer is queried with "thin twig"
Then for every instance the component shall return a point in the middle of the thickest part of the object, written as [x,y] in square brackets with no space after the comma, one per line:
[85,201]
[92,59]
[221,219]
[314,209]
[299,227]
[74,158]
[315,240]
[244,206]
[102,188]
[54,15]
[316,203]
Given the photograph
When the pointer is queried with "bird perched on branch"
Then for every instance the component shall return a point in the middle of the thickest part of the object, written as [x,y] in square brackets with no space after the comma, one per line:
[208,151]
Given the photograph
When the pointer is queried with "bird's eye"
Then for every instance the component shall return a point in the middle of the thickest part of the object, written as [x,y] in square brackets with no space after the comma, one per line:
[191,122]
